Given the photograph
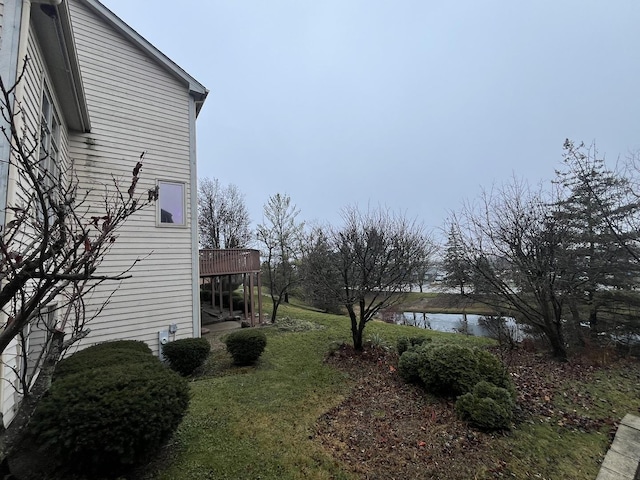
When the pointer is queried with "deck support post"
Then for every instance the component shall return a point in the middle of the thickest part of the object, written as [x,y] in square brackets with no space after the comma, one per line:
[216,264]
[260,296]
[244,294]
[252,307]
[230,297]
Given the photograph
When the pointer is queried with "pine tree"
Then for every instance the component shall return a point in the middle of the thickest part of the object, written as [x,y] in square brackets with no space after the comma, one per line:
[457,272]
[596,208]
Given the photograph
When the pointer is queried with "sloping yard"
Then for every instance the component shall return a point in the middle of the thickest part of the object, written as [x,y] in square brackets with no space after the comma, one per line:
[313,408]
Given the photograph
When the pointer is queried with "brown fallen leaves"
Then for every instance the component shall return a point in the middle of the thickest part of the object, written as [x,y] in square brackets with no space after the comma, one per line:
[387,429]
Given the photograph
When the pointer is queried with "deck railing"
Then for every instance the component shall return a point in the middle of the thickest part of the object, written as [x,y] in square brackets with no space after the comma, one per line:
[228,261]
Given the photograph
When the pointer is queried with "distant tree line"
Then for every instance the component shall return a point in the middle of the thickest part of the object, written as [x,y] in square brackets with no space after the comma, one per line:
[563,258]
[223,218]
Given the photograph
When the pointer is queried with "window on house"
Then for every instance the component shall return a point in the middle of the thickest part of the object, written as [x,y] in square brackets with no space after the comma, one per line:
[49,141]
[171,204]
[49,151]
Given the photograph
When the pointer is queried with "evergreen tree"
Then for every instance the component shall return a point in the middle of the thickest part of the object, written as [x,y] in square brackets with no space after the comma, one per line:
[595,208]
[457,272]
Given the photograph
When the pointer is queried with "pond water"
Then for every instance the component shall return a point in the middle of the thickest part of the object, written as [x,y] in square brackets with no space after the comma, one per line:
[468,324]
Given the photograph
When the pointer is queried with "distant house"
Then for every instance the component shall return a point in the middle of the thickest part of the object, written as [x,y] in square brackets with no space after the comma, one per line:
[105,94]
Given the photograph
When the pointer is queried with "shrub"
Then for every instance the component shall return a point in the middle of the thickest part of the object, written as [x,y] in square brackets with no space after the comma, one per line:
[450,369]
[289,324]
[187,354]
[405,343]
[408,366]
[205,296]
[488,407]
[237,299]
[130,345]
[492,370]
[375,340]
[108,419]
[246,346]
[104,355]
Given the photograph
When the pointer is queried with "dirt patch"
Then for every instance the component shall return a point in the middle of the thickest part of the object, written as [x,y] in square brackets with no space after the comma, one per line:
[387,429]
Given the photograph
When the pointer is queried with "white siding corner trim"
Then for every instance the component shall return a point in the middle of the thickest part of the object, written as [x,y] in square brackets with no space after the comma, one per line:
[195,261]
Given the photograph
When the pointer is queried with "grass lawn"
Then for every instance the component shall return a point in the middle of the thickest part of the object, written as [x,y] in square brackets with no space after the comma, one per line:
[263,421]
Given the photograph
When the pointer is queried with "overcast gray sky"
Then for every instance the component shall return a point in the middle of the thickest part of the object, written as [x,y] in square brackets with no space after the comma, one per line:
[413,104]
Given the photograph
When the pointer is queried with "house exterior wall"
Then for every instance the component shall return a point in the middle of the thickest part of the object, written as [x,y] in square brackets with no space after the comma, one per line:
[1,20]
[29,96]
[136,106]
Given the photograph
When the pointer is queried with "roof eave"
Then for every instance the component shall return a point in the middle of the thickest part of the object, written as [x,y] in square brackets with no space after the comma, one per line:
[196,89]
[54,26]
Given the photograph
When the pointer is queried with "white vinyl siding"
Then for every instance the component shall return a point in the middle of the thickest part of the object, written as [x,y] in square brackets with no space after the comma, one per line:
[1,21]
[135,106]
[31,91]
[30,94]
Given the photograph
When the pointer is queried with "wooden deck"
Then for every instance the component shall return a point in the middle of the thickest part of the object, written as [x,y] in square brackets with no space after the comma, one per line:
[231,261]
[218,263]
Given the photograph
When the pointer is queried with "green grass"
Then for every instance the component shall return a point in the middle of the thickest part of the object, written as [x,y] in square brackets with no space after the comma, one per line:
[258,422]
[546,451]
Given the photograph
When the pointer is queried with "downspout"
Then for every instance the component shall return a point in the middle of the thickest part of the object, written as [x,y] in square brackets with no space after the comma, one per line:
[13,51]
[195,248]
[23,47]
[14,36]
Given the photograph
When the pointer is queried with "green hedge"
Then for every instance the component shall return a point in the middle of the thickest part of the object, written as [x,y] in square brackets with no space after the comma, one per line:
[246,346]
[408,366]
[104,355]
[405,343]
[187,354]
[452,370]
[106,419]
[488,407]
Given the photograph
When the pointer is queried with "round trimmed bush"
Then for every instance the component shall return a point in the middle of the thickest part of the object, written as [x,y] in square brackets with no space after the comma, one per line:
[108,419]
[408,366]
[246,346]
[187,354]
[452,370]
[488,407]
[492,370]
[405,343]
[104,355]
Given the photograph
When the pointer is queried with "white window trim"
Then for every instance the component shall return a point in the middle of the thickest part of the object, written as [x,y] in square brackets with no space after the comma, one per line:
[49,141]
[159,223]
[52,156]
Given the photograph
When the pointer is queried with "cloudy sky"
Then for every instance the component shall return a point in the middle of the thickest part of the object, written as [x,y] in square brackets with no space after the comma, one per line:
[409,104]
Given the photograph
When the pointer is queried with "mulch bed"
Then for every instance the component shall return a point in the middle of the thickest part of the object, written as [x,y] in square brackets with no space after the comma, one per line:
[387,429]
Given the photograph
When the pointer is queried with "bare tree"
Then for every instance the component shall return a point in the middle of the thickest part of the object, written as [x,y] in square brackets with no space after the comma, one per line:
[369,263]
[423,266]
[51,246]
[223,218]
[513,247]
[280,235]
